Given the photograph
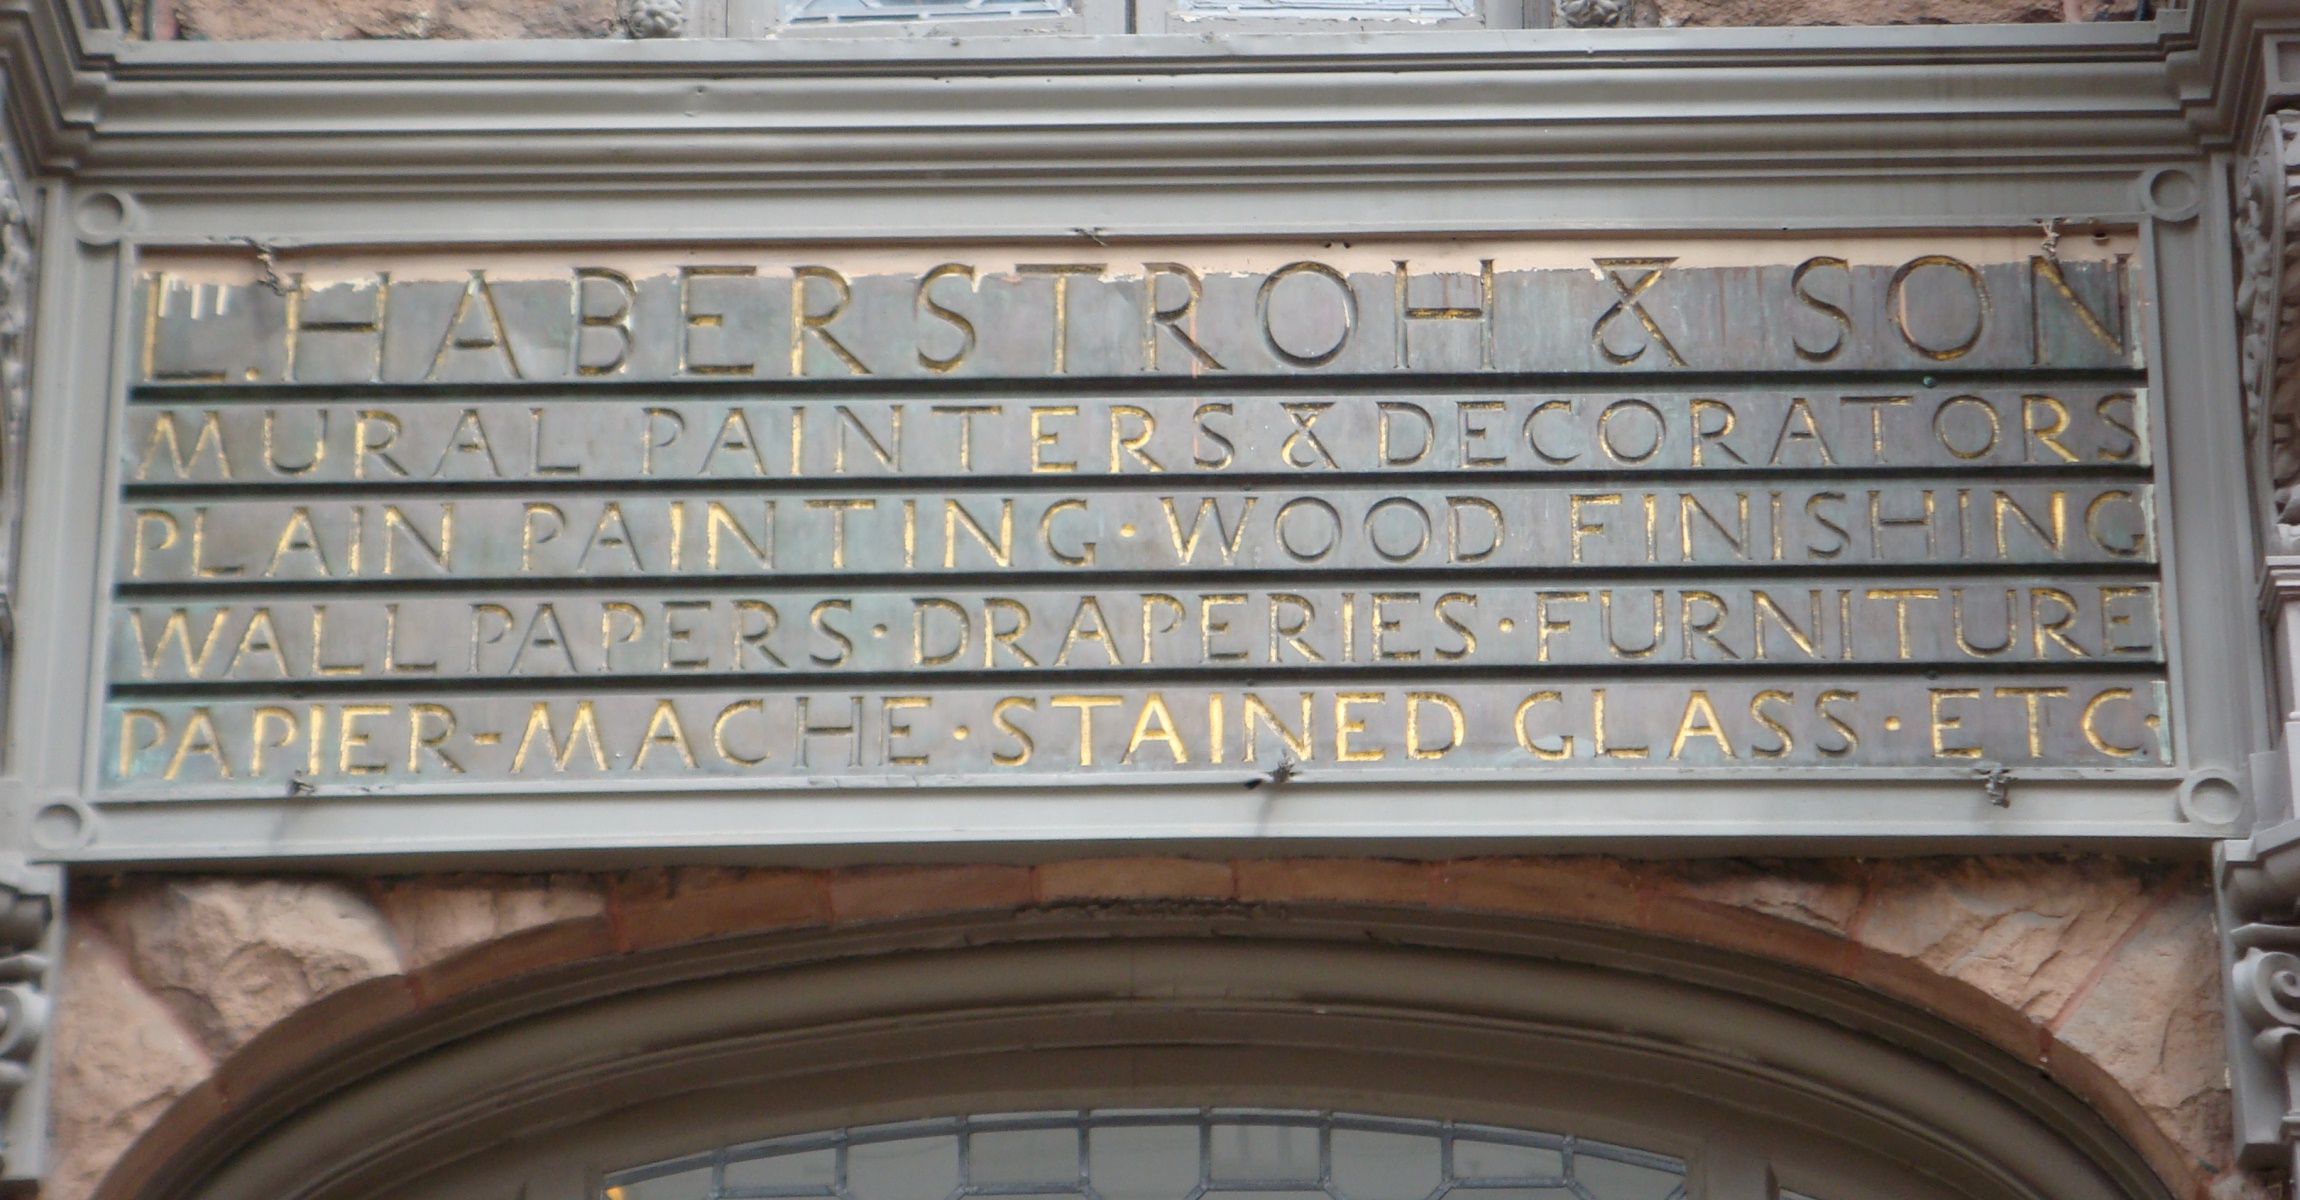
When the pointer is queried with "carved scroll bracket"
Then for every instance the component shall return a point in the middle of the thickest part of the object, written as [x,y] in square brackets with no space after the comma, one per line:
[31,933]
[2259,878]
[2268,312]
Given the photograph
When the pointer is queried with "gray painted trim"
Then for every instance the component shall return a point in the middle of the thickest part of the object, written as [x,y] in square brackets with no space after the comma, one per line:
[1709,1054]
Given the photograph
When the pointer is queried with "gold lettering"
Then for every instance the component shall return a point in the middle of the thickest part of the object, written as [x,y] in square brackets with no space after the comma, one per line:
[1131,443]
[1085,706]
[1254,713]
[169,529]
[1842,320]
[1799,407]
[1061,273]
[664,729]
[350,738]
[818,324]
[2047,435]
[528,540]
[1704,436]
[1149,629]
[1284,633]
[2055,629]
[209,438]
[1040,438]
[1943,724]
[1087,624]
[924,304]
[2091,728]
[1345,725]
[1580,528]
[2031,699]
[584,320]
[889,729]
[1757,712]
[1629,293]
[1597,720]
[1525,740]
[719,732]
[1805,641]
[1208,626]
[200,738]
[993,637]
[839,510]
[584,730]
[177,628]
[1155,724]
[1957,611]
[966,413]
[418,741]
[735,433]
[267,716]
[1155,317]
[494,337]
[1021,738]
[1186,546]
[1454,714]
[1897,299]
[1700,720]
[1085,555]
[954,513]
[888,453]
[1545,625]
[130,749]
[1900,598]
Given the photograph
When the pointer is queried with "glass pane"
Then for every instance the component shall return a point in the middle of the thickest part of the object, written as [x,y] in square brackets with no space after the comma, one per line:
[1411,11]
[923,1168]
[1164,1154]
[686,1185]
[1144,1162]
[1496,1160]
[809,12]
[1385,1166]
[1609,1180]
[1025,1156]
[1264,1153]
[803,1172]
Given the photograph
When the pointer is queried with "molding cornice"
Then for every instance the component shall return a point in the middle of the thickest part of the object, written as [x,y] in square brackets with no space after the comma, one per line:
[1701,102]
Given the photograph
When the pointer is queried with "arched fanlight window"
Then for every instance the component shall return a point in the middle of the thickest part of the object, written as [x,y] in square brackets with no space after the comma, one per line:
[1172,1154]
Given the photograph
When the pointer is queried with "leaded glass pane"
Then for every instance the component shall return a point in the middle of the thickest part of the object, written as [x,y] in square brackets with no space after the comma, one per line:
[1411,11]
[829,12]
[804,1172]
[913,1168]
[1371,1165]
[1263,1153]
[1144,1162]
[1180,1154]
[1025,1156]
[1498,1161]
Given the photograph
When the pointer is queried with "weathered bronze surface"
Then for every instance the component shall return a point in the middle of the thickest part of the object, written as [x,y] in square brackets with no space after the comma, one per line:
[972,518]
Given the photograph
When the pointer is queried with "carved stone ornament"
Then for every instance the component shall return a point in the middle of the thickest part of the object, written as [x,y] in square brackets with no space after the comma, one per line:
[28,929]
[2268,308]
[28,935]
[1606,14]
[16,286]
[654,18]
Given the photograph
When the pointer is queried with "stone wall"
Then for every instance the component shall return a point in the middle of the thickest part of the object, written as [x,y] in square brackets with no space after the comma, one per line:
[254,20]
[182,993]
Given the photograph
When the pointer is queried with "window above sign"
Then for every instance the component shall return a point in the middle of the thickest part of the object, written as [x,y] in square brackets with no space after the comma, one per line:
[953,18]
[1164,1154]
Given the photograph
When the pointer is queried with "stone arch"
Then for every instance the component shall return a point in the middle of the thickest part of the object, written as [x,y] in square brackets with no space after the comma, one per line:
[2026,965]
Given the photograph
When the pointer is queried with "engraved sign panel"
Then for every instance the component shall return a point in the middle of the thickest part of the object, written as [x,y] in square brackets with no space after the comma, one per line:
[978,515]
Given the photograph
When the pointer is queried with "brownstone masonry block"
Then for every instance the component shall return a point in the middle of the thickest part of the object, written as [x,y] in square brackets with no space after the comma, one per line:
[1135,879]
